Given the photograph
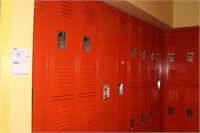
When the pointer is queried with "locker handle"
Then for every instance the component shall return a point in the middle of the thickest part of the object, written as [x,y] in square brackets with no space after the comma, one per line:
[158,84]
[32,98]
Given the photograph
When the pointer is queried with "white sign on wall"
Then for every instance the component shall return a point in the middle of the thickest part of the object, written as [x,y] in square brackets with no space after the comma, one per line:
[21,62]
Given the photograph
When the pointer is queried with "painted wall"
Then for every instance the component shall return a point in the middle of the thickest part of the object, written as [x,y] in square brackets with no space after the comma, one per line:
[162,10]
[176,13]
[186,13]
[16,31]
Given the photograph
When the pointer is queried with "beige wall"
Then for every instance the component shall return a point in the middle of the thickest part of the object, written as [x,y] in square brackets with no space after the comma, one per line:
[186,13]
[162,10]
[16,31]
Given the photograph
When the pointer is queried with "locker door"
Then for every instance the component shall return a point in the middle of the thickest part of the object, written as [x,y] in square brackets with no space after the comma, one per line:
[39,65]
[87,58]
[173,81]
[158,83]
[122,90]
[133,75]
[190,110]
[107,68]
[61,84]
[151,82]
[191,58]
[143,74]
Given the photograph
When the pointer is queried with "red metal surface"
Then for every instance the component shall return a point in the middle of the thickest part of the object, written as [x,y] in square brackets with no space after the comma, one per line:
[122,47]
[107,68]
[39,65]
[182,80]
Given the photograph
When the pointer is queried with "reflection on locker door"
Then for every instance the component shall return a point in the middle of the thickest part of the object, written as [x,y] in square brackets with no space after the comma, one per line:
[107,67]
[61,86]
[122,111]
[87,58]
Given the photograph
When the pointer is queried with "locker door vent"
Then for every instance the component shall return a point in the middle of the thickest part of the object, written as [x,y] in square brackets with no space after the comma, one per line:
[65,9]
[90,16]
[87,114]
[88,78]
[39,4]
[132,123]
[189,113]
[123,27]
[170,111]
[142,119]
[63,120]
[63,78]
[173,95]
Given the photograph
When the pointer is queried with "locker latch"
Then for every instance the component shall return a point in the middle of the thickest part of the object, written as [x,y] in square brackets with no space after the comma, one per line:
[171,57]
[62,40]
[170,111]
[86,44]
[133,53]
[152,56]
[189,113]
[121,88]
[143,54]
[132,123]
[106,91]
[151,116]
[142,119]
[190,57]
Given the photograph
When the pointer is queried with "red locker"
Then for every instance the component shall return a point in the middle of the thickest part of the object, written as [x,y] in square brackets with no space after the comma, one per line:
[173,81]
[122,122]
[190,109]
[173,58]
[87,66]
[39,65]
[151,81]
[107,68]
[143,75]
[191,57]
[133,75]
[184,79]
[61,85]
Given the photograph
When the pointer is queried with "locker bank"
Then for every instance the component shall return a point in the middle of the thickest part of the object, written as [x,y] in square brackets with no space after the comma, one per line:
[99,66]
